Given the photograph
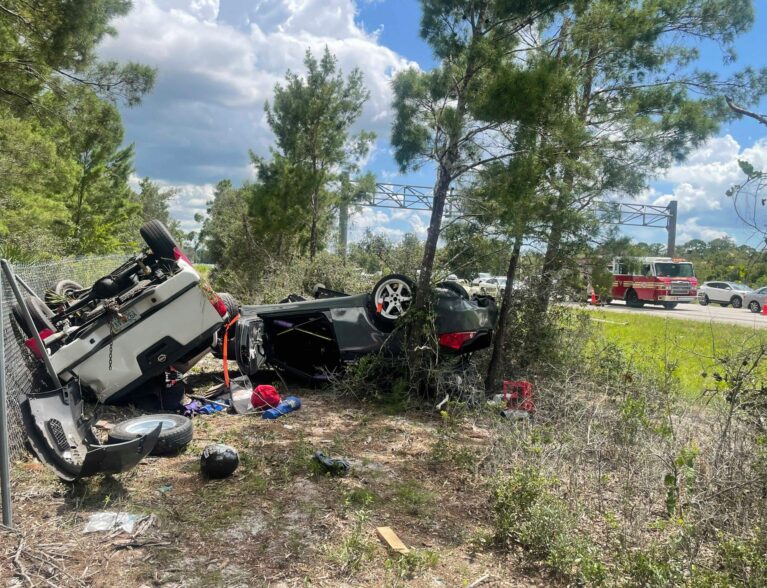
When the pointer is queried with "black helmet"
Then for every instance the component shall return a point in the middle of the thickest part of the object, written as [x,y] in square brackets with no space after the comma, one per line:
[219,460]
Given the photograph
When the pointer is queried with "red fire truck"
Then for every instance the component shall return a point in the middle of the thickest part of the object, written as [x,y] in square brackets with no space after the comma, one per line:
[653,280]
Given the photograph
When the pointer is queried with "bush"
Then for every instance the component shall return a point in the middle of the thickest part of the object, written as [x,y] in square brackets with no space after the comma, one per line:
[528,513]
[275,280]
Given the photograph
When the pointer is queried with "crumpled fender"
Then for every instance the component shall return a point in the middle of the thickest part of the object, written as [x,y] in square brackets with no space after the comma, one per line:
[62,438]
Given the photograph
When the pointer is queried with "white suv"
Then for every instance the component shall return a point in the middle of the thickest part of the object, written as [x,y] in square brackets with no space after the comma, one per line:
[723,293]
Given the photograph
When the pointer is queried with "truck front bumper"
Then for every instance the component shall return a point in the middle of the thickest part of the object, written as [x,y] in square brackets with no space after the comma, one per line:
[677,298]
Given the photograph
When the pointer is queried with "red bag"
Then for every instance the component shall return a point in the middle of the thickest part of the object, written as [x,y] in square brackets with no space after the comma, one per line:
[265,396]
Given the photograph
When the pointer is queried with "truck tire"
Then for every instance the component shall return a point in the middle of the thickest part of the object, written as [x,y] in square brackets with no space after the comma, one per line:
[176,432]
[632,299]
[232,309]
[67,288]
[40,313]
[670,305]
[737,302]
[157,236]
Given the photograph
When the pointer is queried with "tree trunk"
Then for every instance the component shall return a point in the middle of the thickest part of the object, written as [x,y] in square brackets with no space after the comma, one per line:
[313,231]
[432,237]
[343,228]
[494,368]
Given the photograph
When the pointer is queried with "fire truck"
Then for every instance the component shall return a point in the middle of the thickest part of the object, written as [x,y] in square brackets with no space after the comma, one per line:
[653,280]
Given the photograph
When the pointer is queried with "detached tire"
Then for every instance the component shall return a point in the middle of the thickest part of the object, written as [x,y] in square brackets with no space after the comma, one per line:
[176,431]
[159,239]
[40,313]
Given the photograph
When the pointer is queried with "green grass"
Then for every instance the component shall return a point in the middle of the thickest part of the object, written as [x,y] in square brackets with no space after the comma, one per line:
[652,341]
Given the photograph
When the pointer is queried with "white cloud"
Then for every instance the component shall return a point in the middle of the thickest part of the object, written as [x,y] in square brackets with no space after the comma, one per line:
[217,62]
[691,229]
[700,186]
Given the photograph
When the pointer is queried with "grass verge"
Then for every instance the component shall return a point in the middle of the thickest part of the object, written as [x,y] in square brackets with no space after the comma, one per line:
[692,347]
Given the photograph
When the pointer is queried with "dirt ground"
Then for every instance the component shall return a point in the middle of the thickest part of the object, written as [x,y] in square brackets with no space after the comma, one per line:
[277,521]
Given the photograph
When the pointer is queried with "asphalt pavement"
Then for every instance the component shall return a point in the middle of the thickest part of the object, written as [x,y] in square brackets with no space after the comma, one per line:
[694,312]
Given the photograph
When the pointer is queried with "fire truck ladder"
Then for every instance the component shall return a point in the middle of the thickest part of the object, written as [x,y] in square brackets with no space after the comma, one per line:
[408,197]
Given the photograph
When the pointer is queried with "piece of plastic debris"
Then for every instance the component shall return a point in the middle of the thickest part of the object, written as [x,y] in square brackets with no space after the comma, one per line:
[196,407]
[391,539]
[264,397]
[332,465]
[290,404]
[219,460]
[112,521]
[165,488]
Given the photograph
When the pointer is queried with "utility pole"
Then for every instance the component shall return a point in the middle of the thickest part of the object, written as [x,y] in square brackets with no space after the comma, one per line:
[671,228]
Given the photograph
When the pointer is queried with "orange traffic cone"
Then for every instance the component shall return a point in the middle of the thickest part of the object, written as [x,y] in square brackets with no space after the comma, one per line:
[764,309]
[593,298]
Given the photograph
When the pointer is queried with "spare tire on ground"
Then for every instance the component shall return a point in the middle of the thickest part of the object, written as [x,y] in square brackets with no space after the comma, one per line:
[176,432]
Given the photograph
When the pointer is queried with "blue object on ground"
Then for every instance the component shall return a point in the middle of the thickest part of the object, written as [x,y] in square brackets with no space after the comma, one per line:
[288,404]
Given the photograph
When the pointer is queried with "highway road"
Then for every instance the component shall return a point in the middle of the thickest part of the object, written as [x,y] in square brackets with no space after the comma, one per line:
[694,312]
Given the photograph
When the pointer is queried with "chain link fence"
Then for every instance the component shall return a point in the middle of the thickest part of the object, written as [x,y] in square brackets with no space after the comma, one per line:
[21,369]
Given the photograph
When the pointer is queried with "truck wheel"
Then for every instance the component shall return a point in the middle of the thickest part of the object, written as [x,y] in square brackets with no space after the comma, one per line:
[40,313]
[754,307]
[670,305]
[67,288]
[159,239]
[176,432]
[704,301]
[737,302]
[632,299]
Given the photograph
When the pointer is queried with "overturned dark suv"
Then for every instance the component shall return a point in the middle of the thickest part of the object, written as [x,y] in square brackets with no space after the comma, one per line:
[312,339]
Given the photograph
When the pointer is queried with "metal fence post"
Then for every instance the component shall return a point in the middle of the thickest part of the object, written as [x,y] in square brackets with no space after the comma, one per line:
[5,466]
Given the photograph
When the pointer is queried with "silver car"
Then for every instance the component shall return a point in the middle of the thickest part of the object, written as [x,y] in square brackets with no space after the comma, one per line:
[755,299]
[723,293]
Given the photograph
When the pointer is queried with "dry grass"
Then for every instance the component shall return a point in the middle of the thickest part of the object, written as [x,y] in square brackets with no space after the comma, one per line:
[274,522]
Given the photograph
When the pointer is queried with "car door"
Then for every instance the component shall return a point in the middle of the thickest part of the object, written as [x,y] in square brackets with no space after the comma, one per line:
[720,292]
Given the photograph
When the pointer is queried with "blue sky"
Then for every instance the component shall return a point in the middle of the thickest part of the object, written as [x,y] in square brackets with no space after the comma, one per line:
[218,60]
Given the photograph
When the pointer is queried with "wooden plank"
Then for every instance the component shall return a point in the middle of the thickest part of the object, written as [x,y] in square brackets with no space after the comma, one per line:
[389,537]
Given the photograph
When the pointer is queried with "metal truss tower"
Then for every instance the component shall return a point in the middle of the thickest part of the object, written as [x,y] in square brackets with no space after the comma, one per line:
[419,198]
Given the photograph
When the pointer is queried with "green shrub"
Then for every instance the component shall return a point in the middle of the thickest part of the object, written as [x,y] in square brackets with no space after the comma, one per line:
[528,513]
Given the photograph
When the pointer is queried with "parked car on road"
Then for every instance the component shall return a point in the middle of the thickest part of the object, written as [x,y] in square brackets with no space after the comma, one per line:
[756,299]
[723,293]
[313,338]
[494,286]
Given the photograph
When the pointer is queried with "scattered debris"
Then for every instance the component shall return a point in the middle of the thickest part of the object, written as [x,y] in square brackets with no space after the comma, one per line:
[219,460]
[333,466]
[391,539]
[114,521]
[290,404]
[265,397]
